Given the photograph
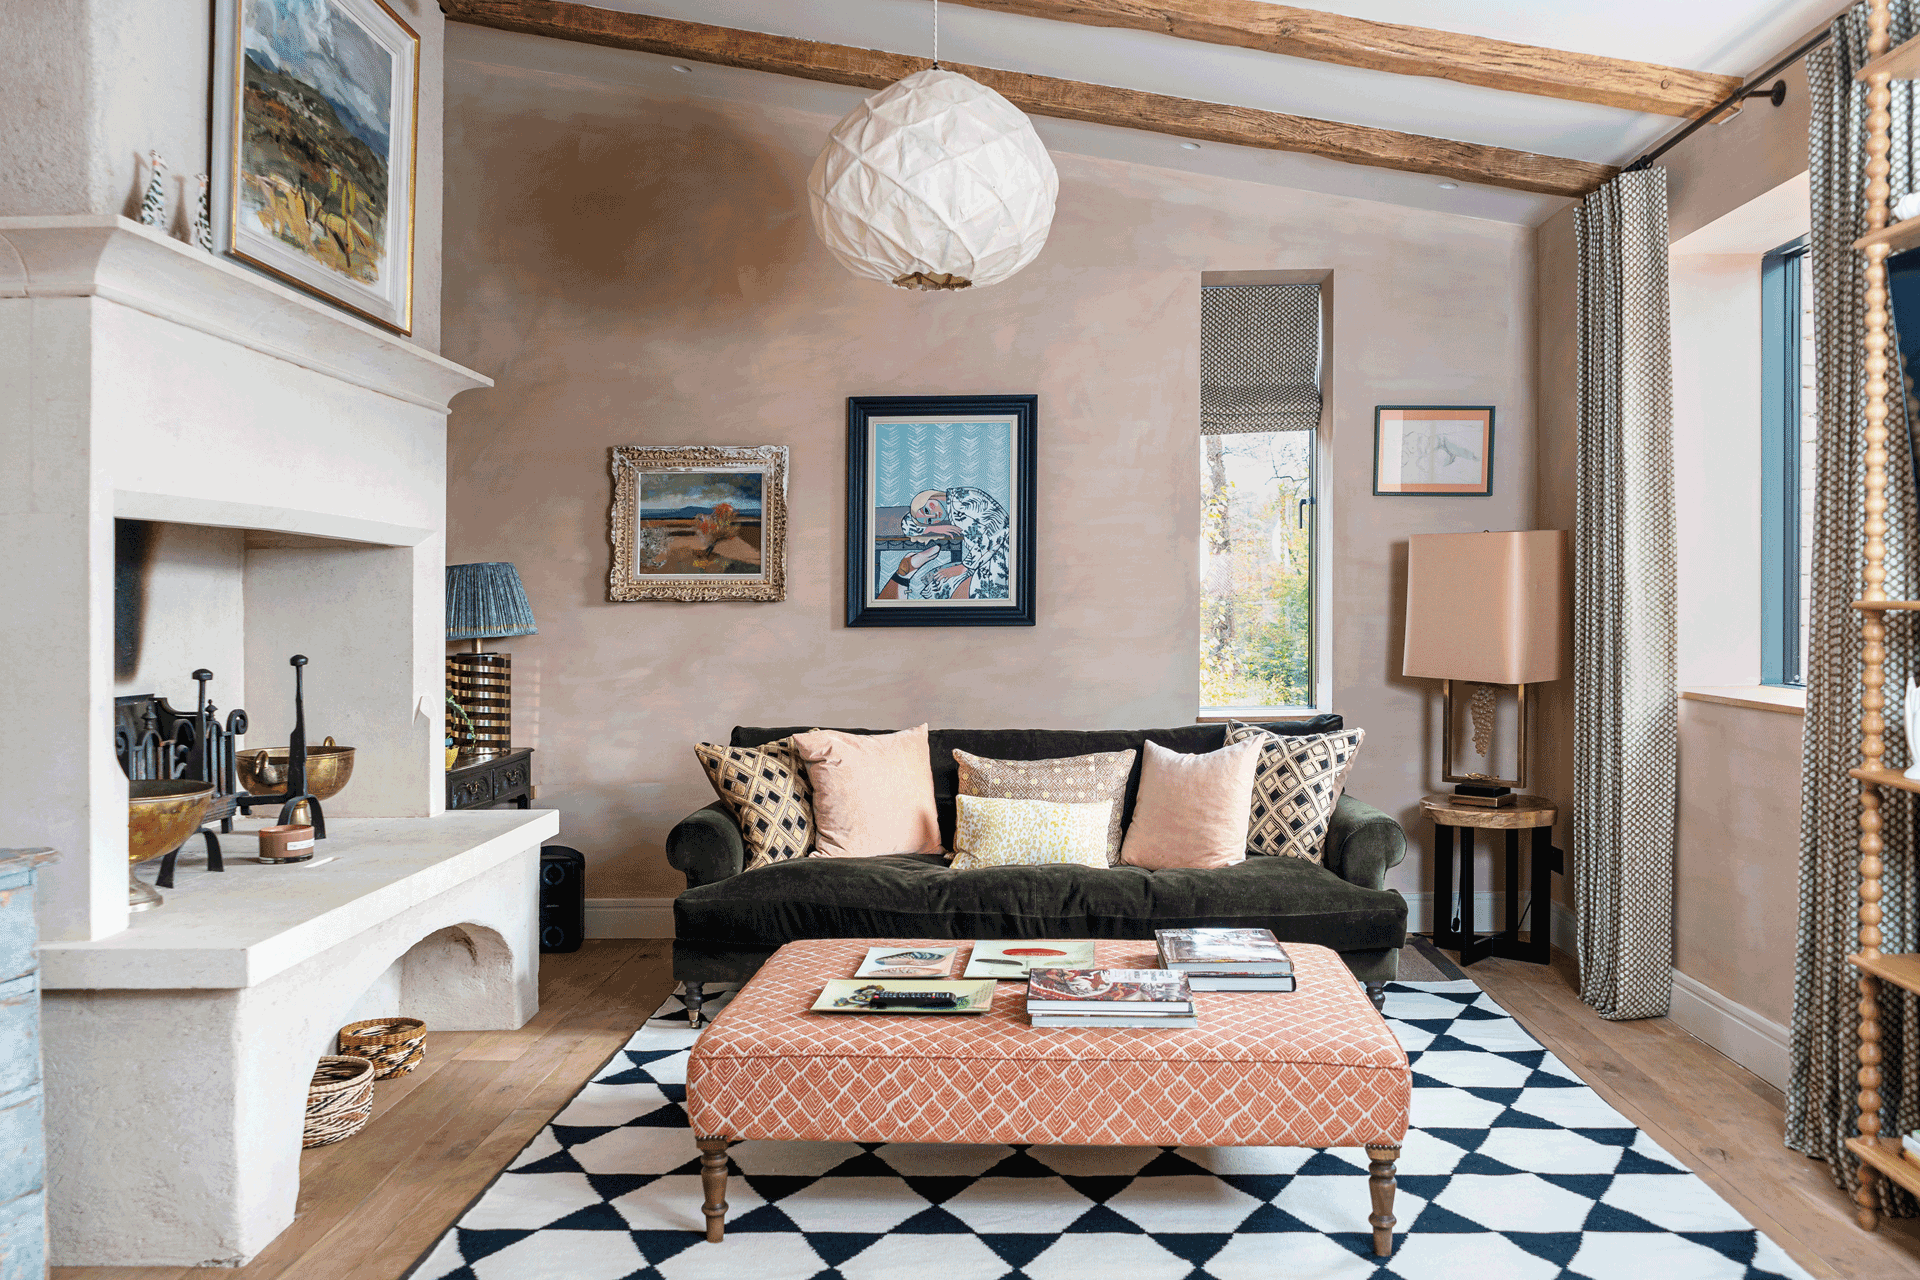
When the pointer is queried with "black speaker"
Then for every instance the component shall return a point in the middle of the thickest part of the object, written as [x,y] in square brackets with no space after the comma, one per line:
[563,898]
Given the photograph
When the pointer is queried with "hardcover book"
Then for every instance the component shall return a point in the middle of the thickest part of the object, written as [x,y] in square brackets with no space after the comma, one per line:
[1237,982]
[908,962]
[1015,959]
[878,995]
[1154,1021]
[1088,991]
[1237,951]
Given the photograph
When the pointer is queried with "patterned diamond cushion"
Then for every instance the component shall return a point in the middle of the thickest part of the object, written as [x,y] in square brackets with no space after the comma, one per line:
[1029,833]
[771,798]
[1298,783]
[1073,780]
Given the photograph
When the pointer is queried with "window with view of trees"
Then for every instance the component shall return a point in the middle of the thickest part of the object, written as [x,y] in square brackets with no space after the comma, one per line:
[1260,412]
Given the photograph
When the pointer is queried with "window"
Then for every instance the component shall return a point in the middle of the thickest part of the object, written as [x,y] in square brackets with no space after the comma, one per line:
[1260,360]
[1788,436]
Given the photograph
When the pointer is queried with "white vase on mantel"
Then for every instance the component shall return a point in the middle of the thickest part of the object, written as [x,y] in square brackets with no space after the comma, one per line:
[1910,716]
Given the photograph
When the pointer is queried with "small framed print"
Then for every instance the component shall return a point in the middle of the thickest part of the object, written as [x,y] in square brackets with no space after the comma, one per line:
[940,511]
[699,522]
[1433,449]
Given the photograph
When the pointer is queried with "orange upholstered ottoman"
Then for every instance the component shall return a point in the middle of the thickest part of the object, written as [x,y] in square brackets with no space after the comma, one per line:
[1315,1067]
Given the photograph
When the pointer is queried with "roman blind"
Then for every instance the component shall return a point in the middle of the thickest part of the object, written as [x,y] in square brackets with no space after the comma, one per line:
[1259,358]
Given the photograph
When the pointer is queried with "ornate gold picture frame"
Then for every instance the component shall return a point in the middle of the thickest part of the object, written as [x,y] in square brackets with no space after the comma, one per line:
[699,522]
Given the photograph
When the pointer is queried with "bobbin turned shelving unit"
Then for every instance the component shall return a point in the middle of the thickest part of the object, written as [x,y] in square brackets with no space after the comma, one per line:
[1880,1157]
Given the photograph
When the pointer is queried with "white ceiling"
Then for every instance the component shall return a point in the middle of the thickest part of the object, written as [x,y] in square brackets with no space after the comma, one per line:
[1732,37]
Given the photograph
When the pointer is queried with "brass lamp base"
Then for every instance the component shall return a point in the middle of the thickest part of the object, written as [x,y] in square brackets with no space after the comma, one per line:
[1481,790]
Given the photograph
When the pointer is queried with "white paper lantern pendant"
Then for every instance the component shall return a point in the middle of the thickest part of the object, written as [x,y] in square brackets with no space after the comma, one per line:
[936,182]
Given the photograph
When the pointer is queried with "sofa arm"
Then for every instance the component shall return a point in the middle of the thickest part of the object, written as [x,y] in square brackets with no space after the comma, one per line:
[1362,842]
[707,846]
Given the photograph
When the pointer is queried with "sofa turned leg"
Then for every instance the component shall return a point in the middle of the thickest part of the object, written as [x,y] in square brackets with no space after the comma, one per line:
[1377,992]
[693,995]
[1380,1166]
[713,1185]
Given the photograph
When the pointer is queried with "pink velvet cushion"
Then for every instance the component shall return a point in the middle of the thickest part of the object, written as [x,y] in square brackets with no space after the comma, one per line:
[872,793]
[1192,810]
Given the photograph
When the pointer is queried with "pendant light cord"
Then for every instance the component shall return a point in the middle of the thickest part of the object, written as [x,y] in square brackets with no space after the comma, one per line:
[936,35]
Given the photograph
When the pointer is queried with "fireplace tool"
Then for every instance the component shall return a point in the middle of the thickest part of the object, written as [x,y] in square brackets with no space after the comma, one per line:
[296,792]
[156,743]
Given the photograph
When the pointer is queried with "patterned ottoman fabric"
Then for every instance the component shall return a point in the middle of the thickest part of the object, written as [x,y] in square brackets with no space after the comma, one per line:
[1316,1067]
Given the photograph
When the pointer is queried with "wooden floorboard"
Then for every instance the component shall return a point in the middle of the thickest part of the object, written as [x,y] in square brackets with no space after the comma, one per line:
[1714,1116]
[371,1205]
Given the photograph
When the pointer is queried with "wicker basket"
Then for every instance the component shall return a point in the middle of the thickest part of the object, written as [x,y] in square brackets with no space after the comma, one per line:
[339,1101]
[395,1046]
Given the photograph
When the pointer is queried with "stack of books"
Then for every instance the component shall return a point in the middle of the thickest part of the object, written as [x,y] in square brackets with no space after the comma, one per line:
[1109,998]
[1226,959]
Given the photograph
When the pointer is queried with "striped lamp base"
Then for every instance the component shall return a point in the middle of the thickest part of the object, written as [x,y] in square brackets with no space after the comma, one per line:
[482,683]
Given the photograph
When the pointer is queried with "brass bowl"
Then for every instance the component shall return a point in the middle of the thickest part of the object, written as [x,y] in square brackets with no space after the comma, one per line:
[161,815]
[328,768]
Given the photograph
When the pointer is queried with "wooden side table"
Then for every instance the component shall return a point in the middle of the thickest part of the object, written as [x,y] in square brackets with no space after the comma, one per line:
[503,779]
[1526,813]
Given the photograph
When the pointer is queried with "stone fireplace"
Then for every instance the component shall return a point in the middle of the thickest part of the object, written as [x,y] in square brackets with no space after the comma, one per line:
[289,461]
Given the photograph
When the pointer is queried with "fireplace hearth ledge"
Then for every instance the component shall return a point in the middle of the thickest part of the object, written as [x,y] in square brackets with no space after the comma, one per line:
[178,1051]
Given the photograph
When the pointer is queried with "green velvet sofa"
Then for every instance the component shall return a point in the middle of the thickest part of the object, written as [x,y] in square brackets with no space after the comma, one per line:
[728,921]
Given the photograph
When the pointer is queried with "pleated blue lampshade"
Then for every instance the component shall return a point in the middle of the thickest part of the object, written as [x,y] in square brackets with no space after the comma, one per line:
[485,601]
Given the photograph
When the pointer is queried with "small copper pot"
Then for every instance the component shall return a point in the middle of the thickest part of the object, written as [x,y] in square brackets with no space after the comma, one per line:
[286,844]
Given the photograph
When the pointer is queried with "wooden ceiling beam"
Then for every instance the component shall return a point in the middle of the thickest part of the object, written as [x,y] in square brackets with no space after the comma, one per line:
[1387,46]
[1042,95]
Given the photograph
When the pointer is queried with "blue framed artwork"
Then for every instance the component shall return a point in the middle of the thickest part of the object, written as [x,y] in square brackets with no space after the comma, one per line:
[940,511]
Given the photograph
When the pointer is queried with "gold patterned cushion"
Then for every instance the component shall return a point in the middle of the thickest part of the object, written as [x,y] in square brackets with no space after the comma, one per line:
[768,791]
[991,832]
[1296,787]
[1074,780]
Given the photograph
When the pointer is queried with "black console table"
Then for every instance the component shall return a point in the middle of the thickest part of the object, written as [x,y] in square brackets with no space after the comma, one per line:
[491,780]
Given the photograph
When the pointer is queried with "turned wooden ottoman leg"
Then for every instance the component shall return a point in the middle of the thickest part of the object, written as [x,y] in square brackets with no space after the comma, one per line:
[713,1183]
[1381,1161]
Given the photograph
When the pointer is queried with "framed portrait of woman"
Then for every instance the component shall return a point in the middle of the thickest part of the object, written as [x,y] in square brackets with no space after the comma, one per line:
[940,510]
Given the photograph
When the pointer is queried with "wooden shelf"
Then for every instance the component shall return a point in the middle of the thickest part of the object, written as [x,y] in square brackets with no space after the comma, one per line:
[1901,970]
[1884,1154]
[1877,606]
[1886,778]
[1902,62]
[1898,238]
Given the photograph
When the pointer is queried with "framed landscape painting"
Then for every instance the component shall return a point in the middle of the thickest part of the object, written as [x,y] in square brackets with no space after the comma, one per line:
[699,522]
[940,511]
[1433,449]
[314,126]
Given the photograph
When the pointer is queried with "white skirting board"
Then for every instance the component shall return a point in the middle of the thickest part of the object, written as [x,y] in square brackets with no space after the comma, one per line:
[1489,914]
[629,917]
[1756,1042]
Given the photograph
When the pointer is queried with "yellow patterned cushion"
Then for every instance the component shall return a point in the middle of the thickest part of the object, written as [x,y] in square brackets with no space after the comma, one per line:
[992,832]
[768,791]
[1074,780]
[1296,787]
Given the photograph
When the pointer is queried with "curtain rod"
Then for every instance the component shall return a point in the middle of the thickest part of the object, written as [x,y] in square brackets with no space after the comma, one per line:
[1744,91]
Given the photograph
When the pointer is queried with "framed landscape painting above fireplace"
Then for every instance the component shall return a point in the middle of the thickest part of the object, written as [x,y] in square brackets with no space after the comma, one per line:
[315,118]
[940,511]
[699,522]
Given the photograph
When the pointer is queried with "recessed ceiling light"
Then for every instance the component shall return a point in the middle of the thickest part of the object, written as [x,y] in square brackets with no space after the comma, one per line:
[1189,146]
[1449,186]
[683,70]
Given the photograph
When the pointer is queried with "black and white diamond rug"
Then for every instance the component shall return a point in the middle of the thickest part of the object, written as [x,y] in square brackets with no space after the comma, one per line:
[1514,1170]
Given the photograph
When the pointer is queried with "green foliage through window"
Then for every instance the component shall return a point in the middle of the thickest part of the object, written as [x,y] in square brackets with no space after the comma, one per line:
[1256,569]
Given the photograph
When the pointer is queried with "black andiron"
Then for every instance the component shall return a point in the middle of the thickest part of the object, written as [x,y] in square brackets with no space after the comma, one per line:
[155,742]
[295,793]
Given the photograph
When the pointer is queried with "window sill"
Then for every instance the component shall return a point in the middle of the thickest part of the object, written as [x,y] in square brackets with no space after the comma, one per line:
[1758,697]
[1255,715]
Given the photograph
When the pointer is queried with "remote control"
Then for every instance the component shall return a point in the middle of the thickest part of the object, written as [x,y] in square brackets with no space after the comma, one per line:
[913,1000]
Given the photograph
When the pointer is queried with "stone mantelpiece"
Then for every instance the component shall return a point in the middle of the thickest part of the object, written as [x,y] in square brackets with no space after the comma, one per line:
[142,377]
[178,1051]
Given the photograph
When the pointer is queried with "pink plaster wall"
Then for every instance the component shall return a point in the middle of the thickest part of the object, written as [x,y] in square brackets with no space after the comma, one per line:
[640,271]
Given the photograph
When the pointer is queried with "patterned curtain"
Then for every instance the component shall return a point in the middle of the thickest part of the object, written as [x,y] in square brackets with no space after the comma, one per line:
[1626,726]
[1259,358]
[1822,1096]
